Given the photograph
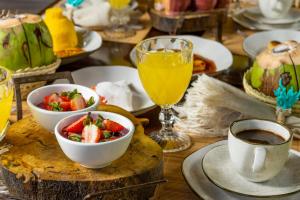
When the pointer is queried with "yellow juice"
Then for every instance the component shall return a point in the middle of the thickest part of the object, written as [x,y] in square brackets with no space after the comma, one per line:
[165,76]
[6,98]
[119,4]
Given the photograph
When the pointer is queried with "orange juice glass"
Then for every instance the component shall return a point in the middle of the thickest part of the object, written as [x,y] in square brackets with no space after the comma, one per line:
[165,69]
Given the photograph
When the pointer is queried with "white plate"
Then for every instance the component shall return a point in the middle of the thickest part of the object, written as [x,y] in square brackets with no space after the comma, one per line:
[219,169]
[255,14]
[240,18]
[209,49]
[255,43]
[89,41]
[90,76]
[200,184]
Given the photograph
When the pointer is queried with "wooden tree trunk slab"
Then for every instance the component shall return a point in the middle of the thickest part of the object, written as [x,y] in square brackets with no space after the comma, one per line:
[36,168]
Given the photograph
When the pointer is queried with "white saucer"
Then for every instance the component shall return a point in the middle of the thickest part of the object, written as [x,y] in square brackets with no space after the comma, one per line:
[255,14]
[204,188]
[218,168]
[90,76]
[241,19]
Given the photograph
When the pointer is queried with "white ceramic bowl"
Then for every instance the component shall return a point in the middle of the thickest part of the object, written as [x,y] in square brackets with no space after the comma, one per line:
[48,119]
[96,155]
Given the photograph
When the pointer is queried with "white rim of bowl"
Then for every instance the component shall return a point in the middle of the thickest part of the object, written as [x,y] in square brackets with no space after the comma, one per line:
[64,112]
[130,131]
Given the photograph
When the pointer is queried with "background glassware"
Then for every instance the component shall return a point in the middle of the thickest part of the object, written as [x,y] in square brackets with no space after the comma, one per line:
[165,68]
[6,98]
[119,19]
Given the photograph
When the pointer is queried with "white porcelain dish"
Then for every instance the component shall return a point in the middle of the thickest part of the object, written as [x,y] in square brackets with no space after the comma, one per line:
[90,76]
[255,43]
[193,173]
[255,14]
[48,119]
[220,170]
[96,155]
[89,41]
[244,21]
[210,49]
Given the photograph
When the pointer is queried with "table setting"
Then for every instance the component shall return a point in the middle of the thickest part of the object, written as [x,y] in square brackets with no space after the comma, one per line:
[160,99]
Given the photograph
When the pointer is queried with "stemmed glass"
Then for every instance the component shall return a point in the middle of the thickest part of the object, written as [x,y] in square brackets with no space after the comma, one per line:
[6,98]
[119,19]
[165,69]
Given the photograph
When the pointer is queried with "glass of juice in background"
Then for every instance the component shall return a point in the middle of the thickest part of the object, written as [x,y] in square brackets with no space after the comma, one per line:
[6,98]
[119,19]
[165,66]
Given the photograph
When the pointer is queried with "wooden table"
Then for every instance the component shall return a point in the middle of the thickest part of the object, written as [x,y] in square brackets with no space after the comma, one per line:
[117,54]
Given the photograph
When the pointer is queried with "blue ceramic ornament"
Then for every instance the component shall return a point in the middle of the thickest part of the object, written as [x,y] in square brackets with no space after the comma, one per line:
[286,98]
[75,3]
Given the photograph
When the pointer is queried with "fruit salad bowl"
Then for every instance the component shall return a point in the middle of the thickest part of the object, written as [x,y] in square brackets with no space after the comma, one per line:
[94,151]
[47,117]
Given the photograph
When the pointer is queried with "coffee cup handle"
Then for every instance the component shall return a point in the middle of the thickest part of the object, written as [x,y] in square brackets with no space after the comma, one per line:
[260,154]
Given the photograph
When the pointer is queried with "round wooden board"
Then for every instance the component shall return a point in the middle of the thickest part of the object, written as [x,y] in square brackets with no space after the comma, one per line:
[36,168]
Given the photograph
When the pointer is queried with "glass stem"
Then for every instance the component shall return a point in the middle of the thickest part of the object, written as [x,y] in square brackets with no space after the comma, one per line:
[167,120]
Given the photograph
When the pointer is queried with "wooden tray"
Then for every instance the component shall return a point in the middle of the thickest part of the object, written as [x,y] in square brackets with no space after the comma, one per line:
[186,22]
[36,168]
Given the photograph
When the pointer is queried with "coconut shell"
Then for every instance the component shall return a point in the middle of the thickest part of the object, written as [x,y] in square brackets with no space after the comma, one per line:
[25,42]
[269,67]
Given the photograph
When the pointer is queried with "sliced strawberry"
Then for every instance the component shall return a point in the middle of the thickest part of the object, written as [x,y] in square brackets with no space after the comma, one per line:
[112,126]
[65,98]
[78,102]
[91,134]
[103,100]
[77,126]
[52,98]
[65,105]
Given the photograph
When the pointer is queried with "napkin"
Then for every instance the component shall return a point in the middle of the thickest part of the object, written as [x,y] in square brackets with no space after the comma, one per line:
[92,13]
[116,93]
[212,105]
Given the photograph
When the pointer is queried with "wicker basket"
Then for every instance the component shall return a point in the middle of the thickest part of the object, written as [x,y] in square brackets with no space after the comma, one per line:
[28,87]
[261,96]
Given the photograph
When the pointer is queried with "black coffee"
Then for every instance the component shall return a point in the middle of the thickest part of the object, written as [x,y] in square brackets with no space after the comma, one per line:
[260,137]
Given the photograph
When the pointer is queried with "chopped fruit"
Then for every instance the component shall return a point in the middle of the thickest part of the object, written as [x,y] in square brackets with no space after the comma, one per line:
[103,100]
[66,101]
[91,134]
[78,102]
[65,105]
[112,126]
[52,98]
[77,126]
[94,129]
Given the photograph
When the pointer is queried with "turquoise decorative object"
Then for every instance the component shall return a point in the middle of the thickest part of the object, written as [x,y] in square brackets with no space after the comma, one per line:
[75,3]
[286,98]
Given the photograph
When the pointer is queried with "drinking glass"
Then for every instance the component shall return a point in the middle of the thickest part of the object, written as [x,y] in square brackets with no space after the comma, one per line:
[119,19]
[165,69]
[6,98]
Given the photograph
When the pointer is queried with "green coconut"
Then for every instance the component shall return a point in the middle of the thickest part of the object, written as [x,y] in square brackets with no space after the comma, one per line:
[269,66]
[25,42]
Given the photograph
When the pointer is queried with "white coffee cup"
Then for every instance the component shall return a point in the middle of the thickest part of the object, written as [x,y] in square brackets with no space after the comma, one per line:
[258,162]
[275,9]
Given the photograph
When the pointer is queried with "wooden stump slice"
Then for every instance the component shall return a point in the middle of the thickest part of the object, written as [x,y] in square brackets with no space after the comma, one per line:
[36,168]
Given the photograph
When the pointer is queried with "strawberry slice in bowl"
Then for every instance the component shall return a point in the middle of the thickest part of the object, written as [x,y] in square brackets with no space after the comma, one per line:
[94,146]
[51,103]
